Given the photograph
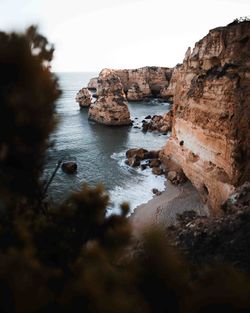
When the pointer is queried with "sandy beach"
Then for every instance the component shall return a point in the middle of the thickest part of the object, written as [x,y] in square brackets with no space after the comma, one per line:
[161,210]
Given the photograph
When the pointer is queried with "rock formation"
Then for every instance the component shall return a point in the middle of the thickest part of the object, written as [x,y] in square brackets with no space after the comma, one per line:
[111,106]
[142,83]
[83,97]
[211,125]
[92,85]
[69,167]
[161,123]
[137,155]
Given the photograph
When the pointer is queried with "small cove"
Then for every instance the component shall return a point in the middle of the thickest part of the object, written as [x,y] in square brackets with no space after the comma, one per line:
[100,150]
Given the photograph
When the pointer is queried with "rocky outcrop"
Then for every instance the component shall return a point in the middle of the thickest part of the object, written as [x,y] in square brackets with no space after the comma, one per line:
[136,156]
[69,167]
[111,106]
[142,83]
[83,97]
[210,138]
[160,123]
[93,83]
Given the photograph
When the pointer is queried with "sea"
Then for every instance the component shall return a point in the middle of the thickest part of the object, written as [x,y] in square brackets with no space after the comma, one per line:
[99,150]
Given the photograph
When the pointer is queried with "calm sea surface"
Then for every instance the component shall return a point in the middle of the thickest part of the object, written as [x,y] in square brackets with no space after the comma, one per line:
[100,150]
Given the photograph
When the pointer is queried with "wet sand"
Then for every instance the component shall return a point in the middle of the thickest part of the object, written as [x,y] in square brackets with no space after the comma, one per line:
[161,210]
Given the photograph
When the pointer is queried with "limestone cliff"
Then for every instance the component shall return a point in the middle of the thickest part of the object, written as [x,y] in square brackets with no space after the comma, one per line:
[211,126]
[142,83]
[111,106]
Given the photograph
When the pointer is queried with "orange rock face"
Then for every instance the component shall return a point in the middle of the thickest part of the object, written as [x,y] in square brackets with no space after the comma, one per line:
[92,85]
[144,82]
[111,106]
[83,97]
[211,126]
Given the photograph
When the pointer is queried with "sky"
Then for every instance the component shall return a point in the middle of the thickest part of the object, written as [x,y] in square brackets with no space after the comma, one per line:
[96,34]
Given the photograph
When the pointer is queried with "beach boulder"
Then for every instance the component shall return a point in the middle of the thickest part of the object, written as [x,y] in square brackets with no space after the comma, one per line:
[140,153]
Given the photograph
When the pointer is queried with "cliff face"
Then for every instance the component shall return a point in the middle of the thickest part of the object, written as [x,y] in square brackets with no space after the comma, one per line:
[111,106]
[141,83]
[211,126]
[144,82]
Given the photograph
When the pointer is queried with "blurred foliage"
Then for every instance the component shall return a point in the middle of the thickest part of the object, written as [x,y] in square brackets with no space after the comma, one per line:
[28,92]
[75,258]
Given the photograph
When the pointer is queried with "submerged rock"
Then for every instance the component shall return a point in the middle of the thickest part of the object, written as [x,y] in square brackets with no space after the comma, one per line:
[69,167]
[111,106]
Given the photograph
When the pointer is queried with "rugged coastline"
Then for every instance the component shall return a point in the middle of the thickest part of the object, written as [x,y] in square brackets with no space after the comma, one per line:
[207,217]
[209,140]
[142,83]
[184,251]
[210,93]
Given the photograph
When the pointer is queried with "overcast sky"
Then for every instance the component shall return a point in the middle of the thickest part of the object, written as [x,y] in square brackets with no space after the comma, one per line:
[91,35]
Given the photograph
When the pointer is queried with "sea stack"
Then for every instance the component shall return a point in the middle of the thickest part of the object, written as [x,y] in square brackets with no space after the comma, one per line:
[92,85]
[83,97]
[111,107]
[211,126]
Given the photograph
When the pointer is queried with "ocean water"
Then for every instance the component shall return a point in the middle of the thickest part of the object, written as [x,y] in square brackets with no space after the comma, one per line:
[100,150]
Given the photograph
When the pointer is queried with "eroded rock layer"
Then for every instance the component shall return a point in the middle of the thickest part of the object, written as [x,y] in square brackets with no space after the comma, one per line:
[83,97]
[92,85]
[142,83]
[111,106]
[211,126]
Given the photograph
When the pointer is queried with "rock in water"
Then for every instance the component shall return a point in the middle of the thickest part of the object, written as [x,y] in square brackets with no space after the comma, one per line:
[140,153]
[83,97]
[161,123]
[69,167]
[157,171]
[92,85]
[111,107]
[210,134]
